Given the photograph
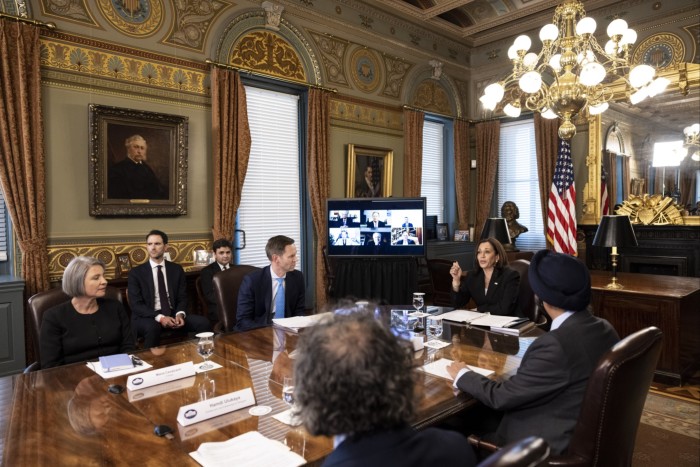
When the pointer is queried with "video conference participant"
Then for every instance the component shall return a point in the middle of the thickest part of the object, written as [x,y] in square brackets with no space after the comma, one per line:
[222,249]
[492,284]
[343,220]
[158,295]
[88,325]
[544,397]
[276,291]
[406,239]
[355,380]
[374,222]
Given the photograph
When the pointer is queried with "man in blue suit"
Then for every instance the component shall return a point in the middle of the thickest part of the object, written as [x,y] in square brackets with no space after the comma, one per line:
[259,298]
[158,295]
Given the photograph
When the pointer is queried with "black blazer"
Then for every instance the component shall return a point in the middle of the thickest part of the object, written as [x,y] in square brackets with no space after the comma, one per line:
[142,290]
[254,308]
[206,278]
[502,296]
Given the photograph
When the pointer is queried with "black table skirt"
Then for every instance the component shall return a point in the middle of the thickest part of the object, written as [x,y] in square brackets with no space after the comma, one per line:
[386,280]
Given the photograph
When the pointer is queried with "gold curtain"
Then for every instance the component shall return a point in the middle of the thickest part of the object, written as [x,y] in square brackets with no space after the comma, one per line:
[230,147]
[546,144]
[22,170]
[412,151]
[487,142]
[318,176]
[462,166]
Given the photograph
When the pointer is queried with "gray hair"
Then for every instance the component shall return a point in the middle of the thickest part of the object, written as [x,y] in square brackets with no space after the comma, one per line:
[74,275]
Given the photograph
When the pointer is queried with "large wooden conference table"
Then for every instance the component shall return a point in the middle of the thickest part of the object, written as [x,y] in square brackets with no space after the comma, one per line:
[66,416]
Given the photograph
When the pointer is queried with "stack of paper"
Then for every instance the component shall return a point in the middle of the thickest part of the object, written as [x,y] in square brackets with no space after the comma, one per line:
[297,322]
[439,368]
[482,319]
[248,449]
[116,362]
[97,368]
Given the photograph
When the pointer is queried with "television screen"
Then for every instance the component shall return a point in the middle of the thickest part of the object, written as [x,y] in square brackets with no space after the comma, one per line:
[376,227]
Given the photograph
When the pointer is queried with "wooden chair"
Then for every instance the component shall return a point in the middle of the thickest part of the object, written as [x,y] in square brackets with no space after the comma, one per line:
[528,452]
[40,302]
[226,286]
[330,276]
[612,404]
[526,297]
[441,280]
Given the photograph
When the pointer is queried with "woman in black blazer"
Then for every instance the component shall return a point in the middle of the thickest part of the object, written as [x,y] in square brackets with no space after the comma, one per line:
[491,284]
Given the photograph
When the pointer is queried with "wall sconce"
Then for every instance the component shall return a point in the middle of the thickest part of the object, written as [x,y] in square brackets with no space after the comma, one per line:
[496,227]
[615,231]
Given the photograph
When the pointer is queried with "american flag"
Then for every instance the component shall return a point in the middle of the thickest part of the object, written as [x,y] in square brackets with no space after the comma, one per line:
[561,223]
[604,201]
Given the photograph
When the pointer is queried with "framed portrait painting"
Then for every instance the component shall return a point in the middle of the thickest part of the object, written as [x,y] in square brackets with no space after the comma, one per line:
[443,232]
[369,173]
[138,162]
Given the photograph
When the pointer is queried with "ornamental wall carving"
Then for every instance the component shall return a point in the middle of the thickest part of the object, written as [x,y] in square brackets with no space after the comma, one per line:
[268,53]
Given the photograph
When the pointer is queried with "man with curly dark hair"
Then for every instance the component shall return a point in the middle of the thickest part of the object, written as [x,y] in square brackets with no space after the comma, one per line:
[355,380]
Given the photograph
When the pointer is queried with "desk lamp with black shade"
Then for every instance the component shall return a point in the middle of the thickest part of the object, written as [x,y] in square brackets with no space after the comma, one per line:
[615,231]
[496,227]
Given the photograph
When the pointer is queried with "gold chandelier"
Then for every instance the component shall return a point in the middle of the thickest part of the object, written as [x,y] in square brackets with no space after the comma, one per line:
[570,73]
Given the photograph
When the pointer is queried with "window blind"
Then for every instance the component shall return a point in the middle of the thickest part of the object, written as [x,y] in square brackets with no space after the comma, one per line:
[432,184]
[270,201]
[518,181]
[3,228]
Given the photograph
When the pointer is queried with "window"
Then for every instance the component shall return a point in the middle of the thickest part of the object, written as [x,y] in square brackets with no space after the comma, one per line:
[270,202]
[518,182]
[432,181]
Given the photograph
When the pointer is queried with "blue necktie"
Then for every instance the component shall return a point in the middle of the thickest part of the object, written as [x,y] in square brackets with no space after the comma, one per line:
[279,298]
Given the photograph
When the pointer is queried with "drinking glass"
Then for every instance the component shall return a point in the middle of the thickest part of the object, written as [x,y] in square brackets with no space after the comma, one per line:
[288,390]
[206,388]
[205,348]
[434,327]
[418,300]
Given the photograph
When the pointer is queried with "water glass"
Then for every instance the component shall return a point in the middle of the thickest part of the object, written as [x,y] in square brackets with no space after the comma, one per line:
[418,300]
[288,390]
[433,327]
[205,348]
[401,320]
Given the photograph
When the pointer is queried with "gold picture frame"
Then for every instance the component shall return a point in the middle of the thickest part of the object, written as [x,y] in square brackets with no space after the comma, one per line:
[362,158]
[138,162]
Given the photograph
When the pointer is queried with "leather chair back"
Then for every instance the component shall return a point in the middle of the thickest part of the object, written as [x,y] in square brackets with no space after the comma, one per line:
[526,297]
[40,302]
[226,286]
[441,281]
[613,403]
[528,452]
[203,305]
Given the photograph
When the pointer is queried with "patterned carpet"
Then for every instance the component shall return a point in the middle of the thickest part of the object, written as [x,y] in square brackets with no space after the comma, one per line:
[669,432]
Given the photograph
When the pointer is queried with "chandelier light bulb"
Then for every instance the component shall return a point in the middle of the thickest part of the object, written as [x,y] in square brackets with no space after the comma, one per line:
[530,60]
[549,32]
[512,109]
[548,114]
[522,42]
[555,62]
[641,75]
[598,109]
[629,37]
[488,102]
[585,26]
[512,53]
[692,130]
[610,48]
[592,73]
[658,86]
[639,96]
[495,92]
[617,28]
[530,82]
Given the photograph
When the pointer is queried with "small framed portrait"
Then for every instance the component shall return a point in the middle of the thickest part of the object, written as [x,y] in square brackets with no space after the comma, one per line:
[461,236]
[203,257]
[138,162]
[369,173]
[123,264]
[443,232]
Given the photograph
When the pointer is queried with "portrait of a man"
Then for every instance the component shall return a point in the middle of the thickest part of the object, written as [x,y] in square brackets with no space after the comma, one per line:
[132,177]
[369,172]
[370,183]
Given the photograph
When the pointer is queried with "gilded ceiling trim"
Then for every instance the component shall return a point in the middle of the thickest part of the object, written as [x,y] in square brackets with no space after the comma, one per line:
[60,254]
[396,71]
[344,109]
[269,53]
[140,18]
[75,11]
[193,23]
[95,59]
[333,50]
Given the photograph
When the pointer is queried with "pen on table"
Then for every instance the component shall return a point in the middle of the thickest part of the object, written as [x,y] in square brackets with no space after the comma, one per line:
[136,361]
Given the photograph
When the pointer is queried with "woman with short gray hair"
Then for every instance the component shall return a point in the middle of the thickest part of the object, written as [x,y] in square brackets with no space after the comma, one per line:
[88,325]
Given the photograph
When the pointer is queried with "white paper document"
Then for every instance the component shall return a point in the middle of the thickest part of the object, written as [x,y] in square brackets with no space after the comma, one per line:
[437,344]
[439,368]
[248,449]
[97,368]
[481,319]
[297,322]
[287,418]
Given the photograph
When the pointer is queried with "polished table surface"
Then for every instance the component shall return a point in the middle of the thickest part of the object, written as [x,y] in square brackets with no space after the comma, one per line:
[66,415]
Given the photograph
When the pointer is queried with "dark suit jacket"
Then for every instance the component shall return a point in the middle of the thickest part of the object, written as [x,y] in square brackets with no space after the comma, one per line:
[502,296]
[370,224]
[206,277]
[404,447]
[544,397]
[254,307]
[142,290]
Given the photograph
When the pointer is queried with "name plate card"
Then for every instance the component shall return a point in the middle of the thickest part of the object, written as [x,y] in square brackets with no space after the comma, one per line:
[159,376]
[164,388]
[210,408]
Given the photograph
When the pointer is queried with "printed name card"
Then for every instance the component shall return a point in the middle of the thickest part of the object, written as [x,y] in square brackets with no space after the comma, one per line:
[159,376]
[210,408]
[160,389]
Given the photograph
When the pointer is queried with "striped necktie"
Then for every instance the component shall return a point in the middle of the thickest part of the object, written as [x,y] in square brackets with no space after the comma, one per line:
[279,298]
